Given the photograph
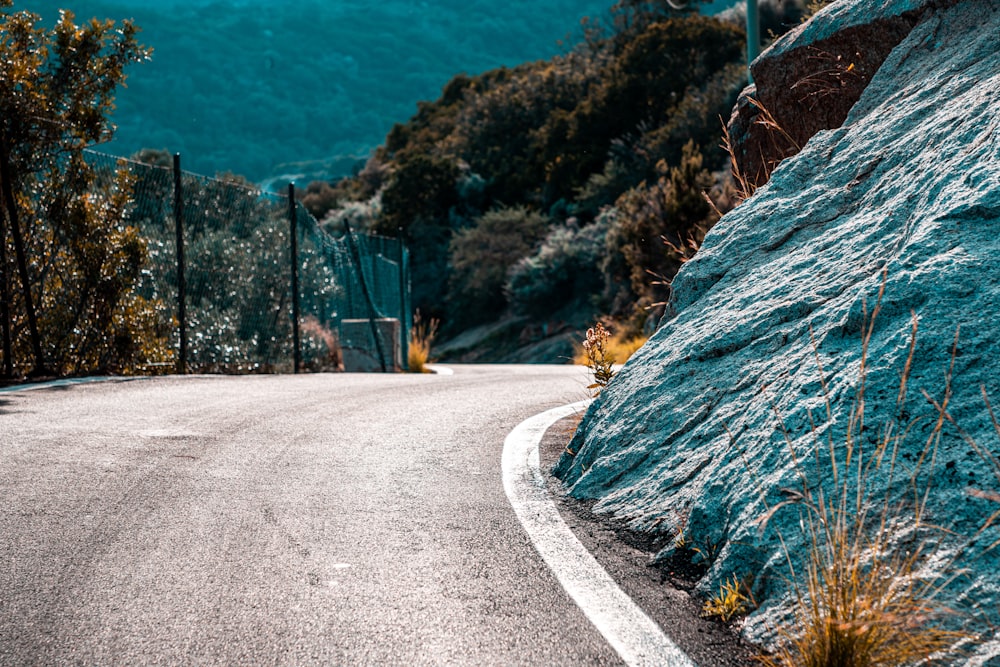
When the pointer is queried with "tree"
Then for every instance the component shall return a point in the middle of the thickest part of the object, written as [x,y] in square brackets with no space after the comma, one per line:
[56,91]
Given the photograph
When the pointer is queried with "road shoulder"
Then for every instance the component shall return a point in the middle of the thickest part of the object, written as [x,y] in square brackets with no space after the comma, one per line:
[626,557]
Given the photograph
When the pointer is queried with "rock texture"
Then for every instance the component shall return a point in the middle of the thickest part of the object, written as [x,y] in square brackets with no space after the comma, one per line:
[812,77]
[695,433]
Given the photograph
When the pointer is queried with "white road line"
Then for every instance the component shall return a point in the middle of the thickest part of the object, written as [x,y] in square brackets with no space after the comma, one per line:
[66,382]
[633,634]
[439,370]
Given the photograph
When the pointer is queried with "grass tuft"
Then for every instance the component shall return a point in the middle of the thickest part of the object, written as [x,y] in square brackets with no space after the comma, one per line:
[731,601]
[421,338]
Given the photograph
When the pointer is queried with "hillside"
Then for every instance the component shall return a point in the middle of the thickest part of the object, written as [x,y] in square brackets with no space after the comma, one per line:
[543,195]
[818,400]
[306,88]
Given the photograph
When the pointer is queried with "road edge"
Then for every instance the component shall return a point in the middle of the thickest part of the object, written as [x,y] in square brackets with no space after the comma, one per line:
[636,638]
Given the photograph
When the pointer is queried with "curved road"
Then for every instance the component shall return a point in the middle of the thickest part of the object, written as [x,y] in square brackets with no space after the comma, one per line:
[315,519]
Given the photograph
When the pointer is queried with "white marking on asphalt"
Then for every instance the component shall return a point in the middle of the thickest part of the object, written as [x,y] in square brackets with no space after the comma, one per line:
[439,370]
[634,635]
[65,382]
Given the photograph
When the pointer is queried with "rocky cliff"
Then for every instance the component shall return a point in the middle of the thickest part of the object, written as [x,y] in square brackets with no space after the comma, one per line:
[748,397]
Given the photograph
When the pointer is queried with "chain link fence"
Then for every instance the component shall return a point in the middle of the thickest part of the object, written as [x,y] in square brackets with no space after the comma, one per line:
[244,281]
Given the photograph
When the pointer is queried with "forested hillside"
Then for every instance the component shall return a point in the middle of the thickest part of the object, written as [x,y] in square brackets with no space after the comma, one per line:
[264,89]
[562,188]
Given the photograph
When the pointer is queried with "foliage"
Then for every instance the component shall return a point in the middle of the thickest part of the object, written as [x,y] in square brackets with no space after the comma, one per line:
[642,84]
[320,346]
[565,270]
[603,134]
[482,255]
[77,257]
[730,602]
[655,229]
[421,338]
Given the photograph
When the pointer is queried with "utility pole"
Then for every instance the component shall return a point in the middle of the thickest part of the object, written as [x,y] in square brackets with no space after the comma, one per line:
[753,35]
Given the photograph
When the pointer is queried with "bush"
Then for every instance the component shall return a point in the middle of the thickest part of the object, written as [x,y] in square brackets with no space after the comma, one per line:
[482,255]
[565,270]
[655,229]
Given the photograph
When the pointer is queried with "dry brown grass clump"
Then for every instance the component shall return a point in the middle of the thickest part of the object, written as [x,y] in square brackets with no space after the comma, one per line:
[421,338]
[866,599]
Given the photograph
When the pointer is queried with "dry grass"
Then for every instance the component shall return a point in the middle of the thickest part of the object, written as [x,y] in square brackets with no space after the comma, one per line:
[325,341]
[781,145]
[864,600]
[421,338]
[732,601]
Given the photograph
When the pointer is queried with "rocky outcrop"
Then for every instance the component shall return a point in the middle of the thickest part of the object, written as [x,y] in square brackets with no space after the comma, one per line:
[811,78]
[696,433]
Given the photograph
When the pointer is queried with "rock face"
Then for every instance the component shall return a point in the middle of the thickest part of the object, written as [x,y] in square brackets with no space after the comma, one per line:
[812,77]
[696,432]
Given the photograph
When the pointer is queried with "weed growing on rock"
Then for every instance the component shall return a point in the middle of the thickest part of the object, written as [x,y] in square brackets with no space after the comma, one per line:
[421,337]
[731,601]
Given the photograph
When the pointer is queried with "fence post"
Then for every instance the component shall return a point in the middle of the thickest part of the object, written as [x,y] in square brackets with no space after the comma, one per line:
[753,35]
[404,334]
[293,227]
[181,281]
[352,246]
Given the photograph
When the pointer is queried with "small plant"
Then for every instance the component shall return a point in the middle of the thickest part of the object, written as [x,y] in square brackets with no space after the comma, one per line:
[618,347]
[781,145]
[731,601]
[323,344]
[421,337]
[598,358]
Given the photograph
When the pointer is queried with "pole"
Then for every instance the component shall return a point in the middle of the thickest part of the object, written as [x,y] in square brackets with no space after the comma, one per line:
[404,334]
[356,256]
[293,229]
[181,282]
[753,35]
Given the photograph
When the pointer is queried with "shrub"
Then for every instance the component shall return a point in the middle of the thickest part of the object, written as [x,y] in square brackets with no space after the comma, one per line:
[481,256]
[565,270]
[421,338]
[655,229]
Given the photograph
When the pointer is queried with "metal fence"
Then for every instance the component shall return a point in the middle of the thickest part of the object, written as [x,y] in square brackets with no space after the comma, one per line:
[244,281]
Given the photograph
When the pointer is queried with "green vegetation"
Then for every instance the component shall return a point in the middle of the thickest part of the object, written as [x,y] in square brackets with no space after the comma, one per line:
[73,307]
[730,602]
[561,189]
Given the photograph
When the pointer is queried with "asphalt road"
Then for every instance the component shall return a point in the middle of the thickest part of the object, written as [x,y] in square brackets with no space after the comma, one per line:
[316,519]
